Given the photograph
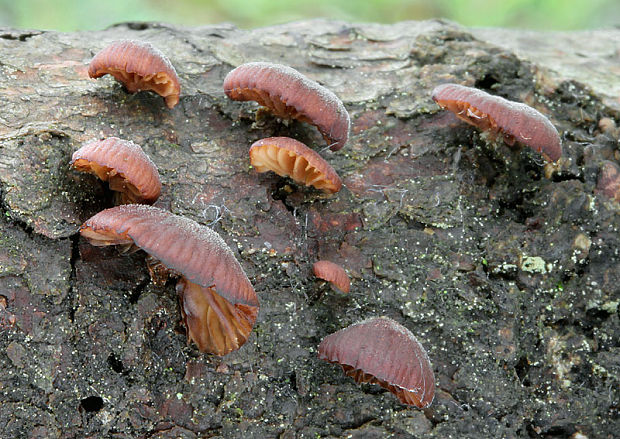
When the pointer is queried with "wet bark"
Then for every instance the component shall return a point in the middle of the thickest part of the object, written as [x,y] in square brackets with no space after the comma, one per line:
[510,279]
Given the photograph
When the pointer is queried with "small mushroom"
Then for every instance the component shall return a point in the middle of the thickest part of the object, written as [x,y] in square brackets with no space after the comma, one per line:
[381,351]
[289,94]
[139,66]
[289,158]
[517,122]
[218,303]
[124,165]
[333,273]
[608,182]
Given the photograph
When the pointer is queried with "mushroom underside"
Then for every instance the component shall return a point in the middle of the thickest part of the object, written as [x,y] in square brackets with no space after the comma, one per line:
[274,103]
[473,116]
[102,238]
[288,164]
[404,395]
[125,192]
[159,83]
[333,273]
[213,323]
[515,121]
[279,107]
[218,304]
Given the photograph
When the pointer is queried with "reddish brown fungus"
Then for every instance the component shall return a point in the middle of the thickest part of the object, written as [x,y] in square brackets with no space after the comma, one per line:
[218,303]
[383,352]
[608,182]
[289,94]
[332,273]
[517,122]
[139,66]
[290,158]
[124,165]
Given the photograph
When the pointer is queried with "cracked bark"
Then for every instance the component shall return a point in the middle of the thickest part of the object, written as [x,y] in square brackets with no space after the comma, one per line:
[509,279]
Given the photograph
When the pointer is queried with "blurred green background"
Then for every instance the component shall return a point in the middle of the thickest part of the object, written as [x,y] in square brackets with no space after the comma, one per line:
[70,15]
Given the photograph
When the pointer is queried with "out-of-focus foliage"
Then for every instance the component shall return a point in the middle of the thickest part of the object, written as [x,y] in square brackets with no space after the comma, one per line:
[69,15]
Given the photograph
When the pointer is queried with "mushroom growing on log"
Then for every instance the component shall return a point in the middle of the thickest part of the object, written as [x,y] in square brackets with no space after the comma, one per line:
[517,122]
[384,352]
[608,182]
[333,273]
[289,94]
[289,158]
[218,303]
[138,65]
[124,165]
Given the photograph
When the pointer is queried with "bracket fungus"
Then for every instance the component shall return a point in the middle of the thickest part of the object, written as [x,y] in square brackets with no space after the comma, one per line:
[289,94]
[382,351]
[218,303]
[289,158]
[333,273]
[124,165]
[517,122]
[138,65]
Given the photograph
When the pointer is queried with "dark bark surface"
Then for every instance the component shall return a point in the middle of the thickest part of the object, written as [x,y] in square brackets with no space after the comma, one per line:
[510,279]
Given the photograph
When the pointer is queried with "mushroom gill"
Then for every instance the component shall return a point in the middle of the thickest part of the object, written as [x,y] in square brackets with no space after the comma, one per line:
[289,158]
[289,94]
[333,273]
[138,65]
[124,165]
[517,122]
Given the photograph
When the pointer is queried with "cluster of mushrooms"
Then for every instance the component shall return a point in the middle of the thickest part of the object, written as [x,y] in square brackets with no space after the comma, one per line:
[218,303]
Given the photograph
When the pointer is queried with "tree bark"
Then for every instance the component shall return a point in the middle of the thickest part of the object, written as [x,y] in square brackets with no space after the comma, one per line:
[507,272]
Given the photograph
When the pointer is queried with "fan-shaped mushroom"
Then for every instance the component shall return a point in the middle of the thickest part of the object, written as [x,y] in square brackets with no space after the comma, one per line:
[383,352]
[332,273]
[517,122]
[124,165]
[289,94]
[139,66]
[289,158]
[218,303]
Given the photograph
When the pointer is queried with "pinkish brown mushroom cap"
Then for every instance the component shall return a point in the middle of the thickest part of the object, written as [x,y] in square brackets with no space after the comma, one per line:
[382,351]
[289,94]
[139,66]
[124,165]
[332,273]
[517,122]
[608,182]
[289,158]
[219,304]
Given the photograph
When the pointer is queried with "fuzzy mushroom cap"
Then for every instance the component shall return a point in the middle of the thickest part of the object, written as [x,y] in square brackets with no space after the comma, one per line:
[218,301]
[124,165]
[139,66]
[332,273]
[289,158]
[516,121]
[289,94]
[382,351]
